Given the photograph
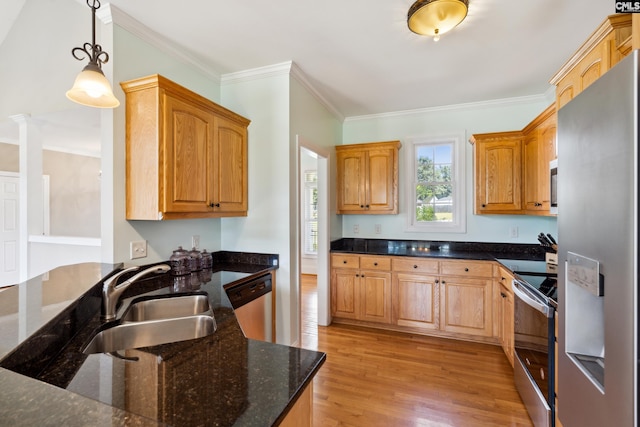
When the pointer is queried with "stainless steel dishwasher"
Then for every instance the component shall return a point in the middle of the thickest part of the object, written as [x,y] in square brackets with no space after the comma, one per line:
[252,302]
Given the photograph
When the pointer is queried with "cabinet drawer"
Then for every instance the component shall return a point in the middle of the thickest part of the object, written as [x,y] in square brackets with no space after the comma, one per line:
[505,278]
[345,261]
[466,268]
[375,263]
[418,265]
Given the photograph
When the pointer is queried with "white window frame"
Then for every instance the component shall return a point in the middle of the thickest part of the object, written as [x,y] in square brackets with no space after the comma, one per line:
[309,186]
[458,182]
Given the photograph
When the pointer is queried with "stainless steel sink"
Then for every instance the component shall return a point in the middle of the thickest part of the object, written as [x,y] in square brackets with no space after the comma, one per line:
[167,308]
[150,332]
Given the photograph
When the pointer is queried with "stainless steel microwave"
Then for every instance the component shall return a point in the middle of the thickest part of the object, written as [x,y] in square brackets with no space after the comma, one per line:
[553,186]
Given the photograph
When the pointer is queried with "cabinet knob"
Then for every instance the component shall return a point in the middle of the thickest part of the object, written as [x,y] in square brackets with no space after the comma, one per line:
[502,294]
[375,264]
[466,269]
[415,266]
[444,283]
[344,261]
[437,281]
[214,205]
[362,206]
[367,206]
[484,206]
[357,275]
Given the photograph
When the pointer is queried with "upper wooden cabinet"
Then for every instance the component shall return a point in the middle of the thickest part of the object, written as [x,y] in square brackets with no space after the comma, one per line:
[608,44]
[368,178]
[512,168]
[498,172]
[539,149]
[186,156]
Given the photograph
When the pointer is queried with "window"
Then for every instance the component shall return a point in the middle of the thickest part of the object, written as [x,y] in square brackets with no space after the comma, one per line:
[436,199]
[311,212]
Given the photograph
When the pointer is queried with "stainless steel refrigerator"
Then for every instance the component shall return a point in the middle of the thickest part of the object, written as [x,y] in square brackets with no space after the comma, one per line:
[598,252]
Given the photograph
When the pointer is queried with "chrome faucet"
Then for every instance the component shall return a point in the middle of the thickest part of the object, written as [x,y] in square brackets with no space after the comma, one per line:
[111,290]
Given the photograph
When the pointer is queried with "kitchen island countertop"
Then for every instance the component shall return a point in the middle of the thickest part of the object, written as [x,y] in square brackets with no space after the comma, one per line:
[221,379]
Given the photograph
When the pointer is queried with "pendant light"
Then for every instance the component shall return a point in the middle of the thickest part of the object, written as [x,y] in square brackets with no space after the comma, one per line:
[91,87]
[436,17]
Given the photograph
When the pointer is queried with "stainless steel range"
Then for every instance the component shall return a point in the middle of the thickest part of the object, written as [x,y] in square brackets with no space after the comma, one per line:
[535,302]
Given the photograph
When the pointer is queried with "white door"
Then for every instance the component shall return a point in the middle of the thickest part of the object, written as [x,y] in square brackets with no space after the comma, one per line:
[9,233]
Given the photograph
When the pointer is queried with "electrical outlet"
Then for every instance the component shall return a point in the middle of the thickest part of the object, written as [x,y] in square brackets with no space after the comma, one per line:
[138,249]
[195,241]
[356,228]
[378,228]
[513,231]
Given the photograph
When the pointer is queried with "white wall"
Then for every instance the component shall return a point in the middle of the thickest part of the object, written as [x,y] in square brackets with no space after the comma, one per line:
[280,109]
[265,100]
[133,58]
[495,116]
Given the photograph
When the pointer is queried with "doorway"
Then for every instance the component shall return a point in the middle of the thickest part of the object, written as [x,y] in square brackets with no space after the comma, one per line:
[9,228]
[314,238]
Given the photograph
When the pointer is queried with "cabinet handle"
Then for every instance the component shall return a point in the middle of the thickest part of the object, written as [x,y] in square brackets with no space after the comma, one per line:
[344,261]
[437,281]
[415,266]
[367,206]
[214,205]
[357,275]
[444,283]
[466,269]
[362,206]
[484,206]
[375,264]
[502,294]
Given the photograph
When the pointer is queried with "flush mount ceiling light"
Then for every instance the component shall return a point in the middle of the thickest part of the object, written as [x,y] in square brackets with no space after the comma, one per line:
[436,17]
[91,86]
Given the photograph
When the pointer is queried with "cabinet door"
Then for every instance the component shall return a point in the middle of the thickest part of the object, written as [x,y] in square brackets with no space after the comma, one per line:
[229,167]
[465,306]
[375,296]
[345,296]
[498,174]
[532,179]
[508,330]
[351,180]
[186,150]
[380,187]
[416,301]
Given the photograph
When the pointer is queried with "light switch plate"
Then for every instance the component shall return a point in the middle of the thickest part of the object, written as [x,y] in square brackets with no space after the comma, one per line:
[138,249]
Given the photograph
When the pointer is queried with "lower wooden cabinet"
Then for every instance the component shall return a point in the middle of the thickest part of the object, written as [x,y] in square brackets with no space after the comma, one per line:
[301,414]
[503,313]
[360,294]
[441,297]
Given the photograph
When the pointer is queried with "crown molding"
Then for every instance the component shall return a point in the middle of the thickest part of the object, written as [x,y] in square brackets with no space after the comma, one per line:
[288,68]
[111,13]
[504,102]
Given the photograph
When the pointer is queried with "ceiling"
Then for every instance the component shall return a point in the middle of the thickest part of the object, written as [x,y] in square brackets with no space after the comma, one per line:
[361,57]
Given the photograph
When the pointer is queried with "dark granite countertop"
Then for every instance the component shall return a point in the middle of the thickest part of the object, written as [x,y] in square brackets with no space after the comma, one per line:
[222,379]
[440,249]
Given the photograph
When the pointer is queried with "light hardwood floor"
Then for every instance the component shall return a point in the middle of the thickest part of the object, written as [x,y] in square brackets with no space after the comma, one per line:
[381,378]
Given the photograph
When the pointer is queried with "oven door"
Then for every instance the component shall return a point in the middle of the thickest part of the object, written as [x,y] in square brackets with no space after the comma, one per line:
[533,367]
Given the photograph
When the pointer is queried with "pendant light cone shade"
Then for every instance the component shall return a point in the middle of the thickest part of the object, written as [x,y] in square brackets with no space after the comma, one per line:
[92,88]
[436,17]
